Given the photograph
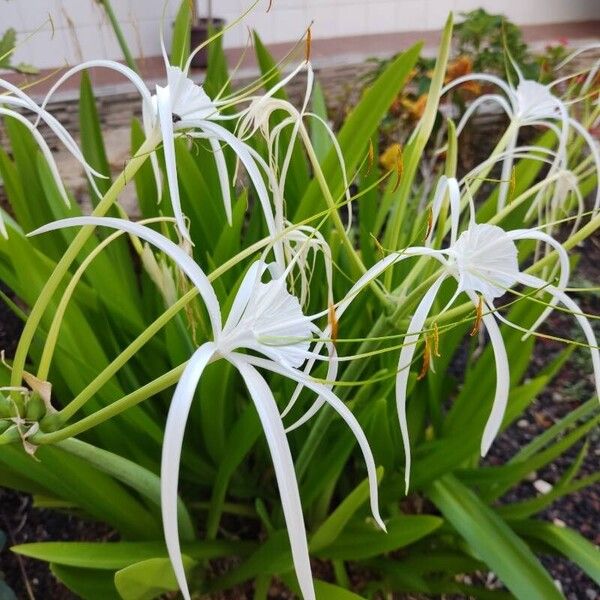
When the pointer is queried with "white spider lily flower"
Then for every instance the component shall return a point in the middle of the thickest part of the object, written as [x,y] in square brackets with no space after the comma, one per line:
[264,319]
[182,107]
[529,103]
[483,261]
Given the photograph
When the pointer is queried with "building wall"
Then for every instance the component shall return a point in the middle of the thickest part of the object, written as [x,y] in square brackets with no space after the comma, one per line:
[81,30]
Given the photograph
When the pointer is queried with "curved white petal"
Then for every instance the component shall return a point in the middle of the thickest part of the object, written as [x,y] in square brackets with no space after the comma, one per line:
[283,464]
[185,262]
[106,64]
[482,77]
[41,142]
[249,163]
[223,175]
[593,146]
[406,355]
[171,456]
[565,268]
[344,413]
[494,421]
[165,117]
[579,316]
[477,103]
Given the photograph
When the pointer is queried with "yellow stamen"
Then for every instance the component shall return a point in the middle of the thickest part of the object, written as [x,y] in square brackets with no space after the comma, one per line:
[308,43]
[371,157]
[478,316]
[436,340]
[429,222]
[333,322]
[426,360]
[399,169]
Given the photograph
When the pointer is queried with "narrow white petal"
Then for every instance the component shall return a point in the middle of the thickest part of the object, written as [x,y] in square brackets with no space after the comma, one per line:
[579,316]
[223,175]
[105,64]
[341,409]
[284,470]
[593,146]
[185,262]
[245,291]
[249,163]
[494,421]
[165,117]
[406,356]
[171,456]
[565,268]
[41,142]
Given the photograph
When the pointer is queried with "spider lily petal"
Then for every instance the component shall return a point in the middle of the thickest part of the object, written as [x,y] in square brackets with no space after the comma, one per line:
[404,362]
[165,116]
[284,469]
[183,260]
[584,323]
[171,455]
[344,412]
[500,402]
[565,267]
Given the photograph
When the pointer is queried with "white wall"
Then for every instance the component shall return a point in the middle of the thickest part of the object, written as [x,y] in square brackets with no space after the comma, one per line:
[90,35]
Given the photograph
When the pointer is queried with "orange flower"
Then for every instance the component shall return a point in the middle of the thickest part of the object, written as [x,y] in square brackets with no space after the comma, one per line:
[390,157]
[415,108]
[463,65]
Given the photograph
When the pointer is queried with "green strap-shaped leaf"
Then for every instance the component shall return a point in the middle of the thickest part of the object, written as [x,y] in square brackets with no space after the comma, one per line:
[149,579]
[569,543]
[118,555]
[493,540]
[180,45]
[331,528]
[365,540]
[89,584]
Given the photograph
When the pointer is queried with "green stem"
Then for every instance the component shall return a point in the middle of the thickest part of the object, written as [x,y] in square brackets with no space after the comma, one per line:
[63,265]
[119,35]
[152,388]
[146,483]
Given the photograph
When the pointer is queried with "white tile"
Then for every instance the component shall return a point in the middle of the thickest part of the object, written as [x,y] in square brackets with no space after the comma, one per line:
[80,12]
[10,16]
[325,21]
[381,17]
[85,43]
[290,24]
[352,19]
[412,15]
[50,51]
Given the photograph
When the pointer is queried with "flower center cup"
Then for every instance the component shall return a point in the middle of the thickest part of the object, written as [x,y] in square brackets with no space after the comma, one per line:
[484,260]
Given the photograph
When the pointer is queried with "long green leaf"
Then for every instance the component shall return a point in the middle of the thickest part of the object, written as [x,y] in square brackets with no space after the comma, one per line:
[493,540]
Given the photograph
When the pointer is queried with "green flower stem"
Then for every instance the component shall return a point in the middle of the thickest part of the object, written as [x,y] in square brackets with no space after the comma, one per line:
[66,261]
[107,412]
[88,392]
[146,483]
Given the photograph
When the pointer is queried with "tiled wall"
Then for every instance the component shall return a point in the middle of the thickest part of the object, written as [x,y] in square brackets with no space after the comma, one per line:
[81,29]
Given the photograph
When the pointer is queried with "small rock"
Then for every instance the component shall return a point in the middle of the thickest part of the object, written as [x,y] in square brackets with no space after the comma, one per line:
[559,522]
[591,594]
[543,487]
[523,423]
